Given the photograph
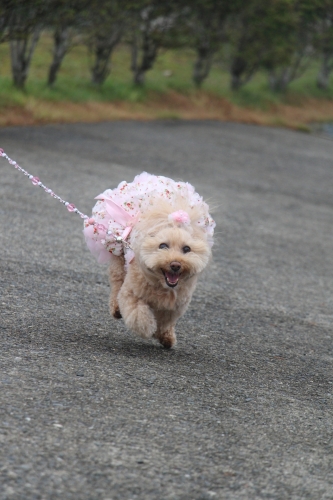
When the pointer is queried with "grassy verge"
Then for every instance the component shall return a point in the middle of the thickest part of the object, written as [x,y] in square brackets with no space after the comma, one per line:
[168,93]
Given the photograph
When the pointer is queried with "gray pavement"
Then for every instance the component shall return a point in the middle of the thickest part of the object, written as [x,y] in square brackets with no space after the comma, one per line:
[242,407]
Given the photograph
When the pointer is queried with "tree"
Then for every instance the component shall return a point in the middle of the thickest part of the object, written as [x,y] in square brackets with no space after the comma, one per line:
[151,22]
[292,24]
[324,42]
[205,23]
[246,37]
[105,23]
[65,17]
[25,23]
[5,14]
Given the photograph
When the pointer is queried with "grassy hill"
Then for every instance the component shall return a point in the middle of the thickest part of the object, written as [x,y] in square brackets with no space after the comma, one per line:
[168,93]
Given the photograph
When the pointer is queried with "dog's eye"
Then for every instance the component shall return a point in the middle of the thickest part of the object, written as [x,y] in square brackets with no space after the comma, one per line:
[186,249]
[163,245]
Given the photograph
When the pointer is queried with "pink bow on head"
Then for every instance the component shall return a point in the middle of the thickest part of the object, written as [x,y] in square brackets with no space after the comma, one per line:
[181,217]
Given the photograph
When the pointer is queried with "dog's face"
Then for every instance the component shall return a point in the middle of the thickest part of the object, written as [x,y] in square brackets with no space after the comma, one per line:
[173,255]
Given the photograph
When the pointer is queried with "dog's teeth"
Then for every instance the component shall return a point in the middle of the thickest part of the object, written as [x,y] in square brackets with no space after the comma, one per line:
[172,278]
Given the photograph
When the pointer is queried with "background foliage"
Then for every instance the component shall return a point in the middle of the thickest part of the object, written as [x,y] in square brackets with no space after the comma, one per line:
[254,53]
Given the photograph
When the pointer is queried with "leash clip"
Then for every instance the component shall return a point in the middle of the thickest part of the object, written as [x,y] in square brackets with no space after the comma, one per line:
[120,239]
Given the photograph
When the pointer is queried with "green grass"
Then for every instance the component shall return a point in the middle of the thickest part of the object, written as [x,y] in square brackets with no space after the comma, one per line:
[73,83]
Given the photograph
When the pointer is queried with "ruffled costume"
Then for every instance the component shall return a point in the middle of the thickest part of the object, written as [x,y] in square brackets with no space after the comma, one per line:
[117,210]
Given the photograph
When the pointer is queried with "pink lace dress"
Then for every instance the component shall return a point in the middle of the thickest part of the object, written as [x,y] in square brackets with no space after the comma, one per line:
[117,210]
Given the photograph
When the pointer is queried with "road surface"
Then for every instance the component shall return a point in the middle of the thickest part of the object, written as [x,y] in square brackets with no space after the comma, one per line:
[242,407]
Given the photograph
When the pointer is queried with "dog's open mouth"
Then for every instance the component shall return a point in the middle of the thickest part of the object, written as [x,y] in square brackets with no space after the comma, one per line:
[171,278]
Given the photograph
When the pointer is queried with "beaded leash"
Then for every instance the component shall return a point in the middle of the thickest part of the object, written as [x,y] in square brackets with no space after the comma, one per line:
[70,206]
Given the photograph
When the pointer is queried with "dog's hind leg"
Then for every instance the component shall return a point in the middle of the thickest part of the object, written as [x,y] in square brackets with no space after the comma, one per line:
[137,315]
[116,278]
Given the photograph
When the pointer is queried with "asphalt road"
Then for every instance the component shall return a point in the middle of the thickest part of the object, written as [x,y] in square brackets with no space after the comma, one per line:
[242,407]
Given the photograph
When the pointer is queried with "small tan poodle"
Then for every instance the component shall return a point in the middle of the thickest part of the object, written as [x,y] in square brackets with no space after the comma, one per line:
[157,235]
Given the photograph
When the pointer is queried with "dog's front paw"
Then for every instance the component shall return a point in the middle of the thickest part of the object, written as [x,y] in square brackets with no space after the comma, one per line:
[167,339]
[141,320]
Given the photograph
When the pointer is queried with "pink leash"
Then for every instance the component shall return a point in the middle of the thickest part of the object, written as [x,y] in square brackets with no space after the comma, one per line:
[116,212]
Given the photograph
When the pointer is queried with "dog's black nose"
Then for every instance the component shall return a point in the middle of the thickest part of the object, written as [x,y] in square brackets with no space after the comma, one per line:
[175,266]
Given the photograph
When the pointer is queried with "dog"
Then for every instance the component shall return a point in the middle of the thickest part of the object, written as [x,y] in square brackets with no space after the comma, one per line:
[156,234]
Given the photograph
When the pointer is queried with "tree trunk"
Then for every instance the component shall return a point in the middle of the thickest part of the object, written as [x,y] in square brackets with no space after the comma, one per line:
[139,77]
[102,65]
[238,68]
[279,82]
[148,56]
[61,46]
[202,66]
[135,57]
[103,46]
[324,73]
[21,52]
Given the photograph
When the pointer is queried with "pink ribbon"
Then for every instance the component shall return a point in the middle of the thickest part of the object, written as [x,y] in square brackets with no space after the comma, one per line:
[119,214]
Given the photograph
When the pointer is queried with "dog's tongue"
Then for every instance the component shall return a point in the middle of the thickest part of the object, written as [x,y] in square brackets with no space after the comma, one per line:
[172,278]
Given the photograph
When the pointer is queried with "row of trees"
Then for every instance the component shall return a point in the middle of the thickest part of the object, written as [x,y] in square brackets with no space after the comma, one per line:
[280,36]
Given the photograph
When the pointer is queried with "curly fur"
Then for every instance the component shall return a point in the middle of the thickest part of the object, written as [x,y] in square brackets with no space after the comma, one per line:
[142,293]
